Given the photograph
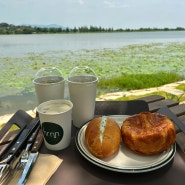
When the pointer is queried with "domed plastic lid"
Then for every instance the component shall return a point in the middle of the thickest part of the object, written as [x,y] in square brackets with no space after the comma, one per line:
[48,71]
[82,74]
[48,75]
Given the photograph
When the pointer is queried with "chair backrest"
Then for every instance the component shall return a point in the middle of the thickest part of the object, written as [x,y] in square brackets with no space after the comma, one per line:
[120,107]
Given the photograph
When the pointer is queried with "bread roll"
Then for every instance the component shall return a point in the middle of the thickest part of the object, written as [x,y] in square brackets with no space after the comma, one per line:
[103,137]
[148,133]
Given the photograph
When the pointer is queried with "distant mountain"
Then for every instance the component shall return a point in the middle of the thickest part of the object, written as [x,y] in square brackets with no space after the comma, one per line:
[44,26]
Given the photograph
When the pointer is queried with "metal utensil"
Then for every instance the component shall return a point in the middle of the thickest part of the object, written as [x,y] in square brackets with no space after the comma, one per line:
[30,142]
[32,158]
[8,163]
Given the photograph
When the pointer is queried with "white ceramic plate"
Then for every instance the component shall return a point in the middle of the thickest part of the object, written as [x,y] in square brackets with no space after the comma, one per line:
[125,160]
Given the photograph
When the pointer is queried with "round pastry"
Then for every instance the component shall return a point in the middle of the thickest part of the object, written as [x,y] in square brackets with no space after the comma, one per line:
[103,137]
[148,133]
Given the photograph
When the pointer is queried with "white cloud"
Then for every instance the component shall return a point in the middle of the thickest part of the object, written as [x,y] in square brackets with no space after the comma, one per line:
[115,4]
[81,2]
[105,13]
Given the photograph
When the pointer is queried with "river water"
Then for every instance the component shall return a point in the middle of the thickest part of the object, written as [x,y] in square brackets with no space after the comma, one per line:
[20,45]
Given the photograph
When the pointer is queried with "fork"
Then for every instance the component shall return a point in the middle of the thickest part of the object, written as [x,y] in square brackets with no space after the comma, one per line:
[8,163]
[15,171]
[36,140]
[13,152]
[24,158]
[10,172]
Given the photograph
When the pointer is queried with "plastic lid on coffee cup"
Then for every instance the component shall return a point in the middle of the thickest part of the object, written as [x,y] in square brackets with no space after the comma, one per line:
[82,74]
[82,71]
[48,71]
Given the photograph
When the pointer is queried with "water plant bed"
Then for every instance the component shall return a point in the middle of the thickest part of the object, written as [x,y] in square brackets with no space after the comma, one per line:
[17,73]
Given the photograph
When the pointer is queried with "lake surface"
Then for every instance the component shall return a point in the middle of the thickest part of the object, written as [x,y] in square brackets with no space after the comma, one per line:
[20,45]
[22,55]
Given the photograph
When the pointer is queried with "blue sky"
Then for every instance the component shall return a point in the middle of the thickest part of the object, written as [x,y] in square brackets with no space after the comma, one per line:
[105,13]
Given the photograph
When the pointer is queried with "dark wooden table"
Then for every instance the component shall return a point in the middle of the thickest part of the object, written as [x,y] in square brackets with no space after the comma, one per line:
[76,170]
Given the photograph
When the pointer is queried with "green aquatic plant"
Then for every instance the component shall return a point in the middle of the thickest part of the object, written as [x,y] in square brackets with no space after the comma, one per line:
[111,65]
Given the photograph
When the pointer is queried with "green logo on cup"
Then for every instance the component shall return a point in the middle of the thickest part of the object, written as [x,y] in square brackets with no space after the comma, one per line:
[53,133]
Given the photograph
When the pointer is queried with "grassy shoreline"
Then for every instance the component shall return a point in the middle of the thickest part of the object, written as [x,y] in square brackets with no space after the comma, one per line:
[140,81]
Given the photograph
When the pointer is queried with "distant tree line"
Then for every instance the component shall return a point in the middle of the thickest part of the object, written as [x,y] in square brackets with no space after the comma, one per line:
[6,28]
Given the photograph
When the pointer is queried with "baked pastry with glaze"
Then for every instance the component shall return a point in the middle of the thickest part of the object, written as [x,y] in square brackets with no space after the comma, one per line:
[103,137]
[148,133]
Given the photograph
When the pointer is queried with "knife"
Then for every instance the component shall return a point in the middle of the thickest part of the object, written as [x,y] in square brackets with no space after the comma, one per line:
[20,119]
[30,142]
[29,128]
[166,111]
[11,157]
[32,158]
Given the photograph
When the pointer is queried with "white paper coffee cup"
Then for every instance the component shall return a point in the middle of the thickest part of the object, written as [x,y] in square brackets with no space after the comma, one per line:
[56,122]
[82,91]
[49,88]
